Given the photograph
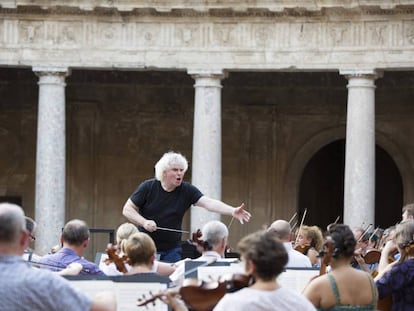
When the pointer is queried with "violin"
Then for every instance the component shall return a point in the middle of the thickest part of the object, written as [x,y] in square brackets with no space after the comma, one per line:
[372,256]
[203,296]
[302,248]
[113,256]
[326,255]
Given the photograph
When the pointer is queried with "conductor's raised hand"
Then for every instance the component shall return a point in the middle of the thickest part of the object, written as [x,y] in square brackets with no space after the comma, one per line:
[150,225]
[241,214]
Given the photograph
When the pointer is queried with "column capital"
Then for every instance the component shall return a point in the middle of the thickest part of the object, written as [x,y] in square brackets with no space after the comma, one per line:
[208,73]
[51,75]
[361,73]
[51,71]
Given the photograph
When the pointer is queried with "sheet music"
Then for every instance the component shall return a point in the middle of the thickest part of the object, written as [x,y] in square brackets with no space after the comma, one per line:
[296,279]
[127,293]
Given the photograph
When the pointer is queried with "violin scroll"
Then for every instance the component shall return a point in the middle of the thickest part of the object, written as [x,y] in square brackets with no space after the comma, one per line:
[119,262]
[326,255]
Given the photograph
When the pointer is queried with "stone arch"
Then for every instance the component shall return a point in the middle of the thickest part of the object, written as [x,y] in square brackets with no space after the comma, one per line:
[326,137]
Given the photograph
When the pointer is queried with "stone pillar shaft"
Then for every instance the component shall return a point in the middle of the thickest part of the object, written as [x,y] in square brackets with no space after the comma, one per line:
[50,157]
[359,192]
[206,162]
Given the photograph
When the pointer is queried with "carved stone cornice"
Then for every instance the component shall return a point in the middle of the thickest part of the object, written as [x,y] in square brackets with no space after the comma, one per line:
[206,5]
[330,39]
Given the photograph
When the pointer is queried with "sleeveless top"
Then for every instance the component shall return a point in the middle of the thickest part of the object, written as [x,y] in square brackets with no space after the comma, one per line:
[340,307]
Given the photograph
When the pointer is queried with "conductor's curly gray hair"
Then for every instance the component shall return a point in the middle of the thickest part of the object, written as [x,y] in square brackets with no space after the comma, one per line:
[167,161]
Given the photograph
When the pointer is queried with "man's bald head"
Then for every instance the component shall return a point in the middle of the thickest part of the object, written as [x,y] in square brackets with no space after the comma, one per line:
[282,229]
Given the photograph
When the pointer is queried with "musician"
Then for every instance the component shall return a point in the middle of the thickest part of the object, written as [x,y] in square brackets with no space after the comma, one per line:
[363,245]
[311,238]
[283,231]
[396,278]
[265,258]
[408,212]
[123,232]
[214,235]
[343,288]
[26,289]
[163,201]
[141,252]
[74,239]
[29,254]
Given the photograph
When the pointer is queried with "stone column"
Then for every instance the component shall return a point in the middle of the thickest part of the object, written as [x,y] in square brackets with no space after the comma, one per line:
[206,162]
[50,157]
[359,192]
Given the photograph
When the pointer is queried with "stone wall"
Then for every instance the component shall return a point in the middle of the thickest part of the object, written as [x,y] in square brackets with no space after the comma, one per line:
[120,123]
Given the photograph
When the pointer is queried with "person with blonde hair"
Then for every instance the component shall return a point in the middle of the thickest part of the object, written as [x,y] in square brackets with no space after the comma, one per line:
[158,205]
[123,232]
[141,252]
[309,242]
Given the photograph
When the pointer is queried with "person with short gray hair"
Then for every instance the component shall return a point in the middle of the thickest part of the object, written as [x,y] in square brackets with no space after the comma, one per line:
[25,288]
[282,229]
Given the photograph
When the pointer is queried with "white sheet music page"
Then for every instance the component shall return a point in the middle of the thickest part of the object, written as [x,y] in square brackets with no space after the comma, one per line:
[127,293]
[296,279]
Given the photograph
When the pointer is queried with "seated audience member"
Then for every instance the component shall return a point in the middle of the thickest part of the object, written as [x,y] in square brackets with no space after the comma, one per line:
[283,231]
[343,288]
[123,232]
[265,258]
[309,242]
[75,239]
[26,289]
[395,279]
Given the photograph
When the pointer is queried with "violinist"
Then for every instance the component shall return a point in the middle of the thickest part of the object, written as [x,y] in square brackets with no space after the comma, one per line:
[396,279]
[264,257]
[26,289]
[408,212]
[75,240]
[31,227]
[343,288]
[309,242]
[213,240]
[283,231]
[123,232]
[364,246]
[141,252]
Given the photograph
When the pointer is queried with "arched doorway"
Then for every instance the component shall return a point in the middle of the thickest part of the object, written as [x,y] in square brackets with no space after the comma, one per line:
[321,189]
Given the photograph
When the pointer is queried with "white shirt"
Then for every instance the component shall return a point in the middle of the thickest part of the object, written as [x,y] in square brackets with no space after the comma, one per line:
[296,259]
[249,299]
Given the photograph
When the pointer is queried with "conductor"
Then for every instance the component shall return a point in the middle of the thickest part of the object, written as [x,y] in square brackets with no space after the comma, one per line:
[161,202]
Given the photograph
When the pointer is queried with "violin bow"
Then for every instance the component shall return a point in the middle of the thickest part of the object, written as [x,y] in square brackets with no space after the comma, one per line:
[292,218]
[301,224]
[173,230]
[58,267]
[364,232]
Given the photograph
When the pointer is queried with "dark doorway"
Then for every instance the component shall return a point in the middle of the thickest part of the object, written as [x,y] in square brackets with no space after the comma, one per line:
[321,189]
